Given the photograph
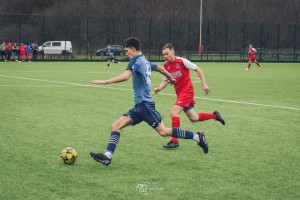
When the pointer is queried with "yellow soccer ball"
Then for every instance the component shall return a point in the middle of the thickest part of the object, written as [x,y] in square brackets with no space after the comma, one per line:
[68,155]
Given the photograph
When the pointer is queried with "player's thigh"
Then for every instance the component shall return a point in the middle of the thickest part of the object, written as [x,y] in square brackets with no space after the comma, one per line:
[192,115]
[176,110]
[163,130]
[151,116]
[121,123]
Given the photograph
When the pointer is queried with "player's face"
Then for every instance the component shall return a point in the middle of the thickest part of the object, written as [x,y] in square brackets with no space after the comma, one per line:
[169,54]
[130,52]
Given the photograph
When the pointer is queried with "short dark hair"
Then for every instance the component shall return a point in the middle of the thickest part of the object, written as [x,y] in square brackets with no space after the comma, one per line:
[168,45]
[132,42]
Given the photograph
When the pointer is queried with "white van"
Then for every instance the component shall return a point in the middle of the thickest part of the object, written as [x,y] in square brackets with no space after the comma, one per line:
[56,47]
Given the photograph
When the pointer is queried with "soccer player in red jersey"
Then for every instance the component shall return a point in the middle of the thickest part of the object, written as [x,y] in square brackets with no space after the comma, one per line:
[22,49]
[252,58]
[180,68]
[9,49]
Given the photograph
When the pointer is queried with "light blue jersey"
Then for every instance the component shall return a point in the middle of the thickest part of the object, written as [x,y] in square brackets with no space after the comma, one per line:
[141,78]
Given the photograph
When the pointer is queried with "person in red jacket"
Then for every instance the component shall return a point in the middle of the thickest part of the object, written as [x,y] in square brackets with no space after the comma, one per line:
[252,57]
[22,49]
[9,49]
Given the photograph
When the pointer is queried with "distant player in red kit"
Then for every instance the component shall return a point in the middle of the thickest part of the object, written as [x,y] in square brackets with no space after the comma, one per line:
[180,68]
[252,58]
[22,49]
[9,49]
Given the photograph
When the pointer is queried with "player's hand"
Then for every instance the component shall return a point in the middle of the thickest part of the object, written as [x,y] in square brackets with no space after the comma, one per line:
[206,89]
[99,82]
[172,81]
[156,90]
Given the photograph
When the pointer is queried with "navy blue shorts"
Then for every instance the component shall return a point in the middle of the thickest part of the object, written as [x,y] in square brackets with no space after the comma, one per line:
[144,111]
[110,58]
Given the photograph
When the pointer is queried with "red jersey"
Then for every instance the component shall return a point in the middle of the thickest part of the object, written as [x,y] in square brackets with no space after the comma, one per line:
[180,70]
[22,49]
[9,47]
[252,52]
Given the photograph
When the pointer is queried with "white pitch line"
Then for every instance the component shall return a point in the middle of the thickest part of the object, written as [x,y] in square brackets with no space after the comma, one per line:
[240,102]
[115,88]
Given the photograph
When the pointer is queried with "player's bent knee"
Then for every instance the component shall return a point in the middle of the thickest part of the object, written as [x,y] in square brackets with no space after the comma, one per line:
[115,127]
[163,134]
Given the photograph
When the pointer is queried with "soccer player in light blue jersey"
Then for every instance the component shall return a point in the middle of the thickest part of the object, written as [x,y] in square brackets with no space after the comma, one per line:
[110,56]
[144,110]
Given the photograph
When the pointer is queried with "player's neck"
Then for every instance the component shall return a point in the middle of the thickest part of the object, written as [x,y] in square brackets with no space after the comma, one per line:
[173,59]
[137,53]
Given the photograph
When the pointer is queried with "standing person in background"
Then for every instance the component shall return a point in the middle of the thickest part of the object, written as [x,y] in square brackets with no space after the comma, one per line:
[16,52]
[144,109]
[180,69]
[22,50]
[3,51]
[9,49]
[35,49]
[252,57]
[29,52]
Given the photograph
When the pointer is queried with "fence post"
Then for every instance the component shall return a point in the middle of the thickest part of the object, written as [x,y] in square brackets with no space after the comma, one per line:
[129,28]
[189,39]
[114,25]
[278,39]
[207,36]
[149,37]
[20,29]
[295,42]
[261,45]
[20,36]
[87,31]
[43,36]
[244,40]
[170,31]
[107,28]
[226,39]
[207,40]
[65,55]
[87,38]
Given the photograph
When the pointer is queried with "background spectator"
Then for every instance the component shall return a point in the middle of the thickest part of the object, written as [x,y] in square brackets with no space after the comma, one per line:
[9,49]
[15,51]
[3,49]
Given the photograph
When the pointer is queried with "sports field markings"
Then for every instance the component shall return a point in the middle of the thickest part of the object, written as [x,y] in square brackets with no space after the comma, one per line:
[37,86]
[167,94]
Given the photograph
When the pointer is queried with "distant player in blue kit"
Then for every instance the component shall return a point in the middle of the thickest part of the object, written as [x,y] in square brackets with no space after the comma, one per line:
[144,109]
[110,56]
[29,52]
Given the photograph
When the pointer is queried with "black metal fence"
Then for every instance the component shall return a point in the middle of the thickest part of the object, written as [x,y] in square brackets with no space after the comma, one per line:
[222,41]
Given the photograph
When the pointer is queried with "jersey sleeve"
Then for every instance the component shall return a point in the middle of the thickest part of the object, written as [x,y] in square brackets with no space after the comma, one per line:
[130,65]
[188,64]
[153,65]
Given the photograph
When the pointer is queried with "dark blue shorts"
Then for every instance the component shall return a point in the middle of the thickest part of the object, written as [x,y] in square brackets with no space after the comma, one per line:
[144,111]
[110,58]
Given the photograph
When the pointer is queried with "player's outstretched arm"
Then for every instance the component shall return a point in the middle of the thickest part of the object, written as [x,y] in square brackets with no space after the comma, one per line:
[162,86]
[203,82]
[123,77]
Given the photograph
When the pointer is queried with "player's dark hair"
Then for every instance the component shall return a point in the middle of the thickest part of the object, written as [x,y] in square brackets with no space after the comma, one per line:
[132,42]
[169,46]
